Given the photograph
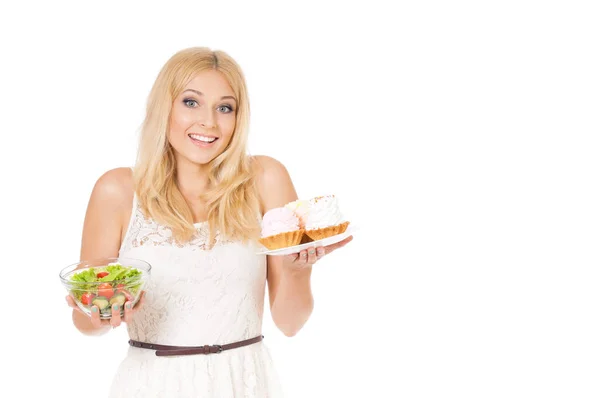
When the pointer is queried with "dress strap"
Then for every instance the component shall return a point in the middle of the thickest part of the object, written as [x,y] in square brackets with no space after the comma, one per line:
[134,213]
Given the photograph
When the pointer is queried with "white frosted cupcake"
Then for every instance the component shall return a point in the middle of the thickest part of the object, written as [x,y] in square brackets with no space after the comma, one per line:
[324,218]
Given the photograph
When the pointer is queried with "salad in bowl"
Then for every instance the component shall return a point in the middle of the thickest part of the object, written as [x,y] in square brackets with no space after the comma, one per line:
[105,282]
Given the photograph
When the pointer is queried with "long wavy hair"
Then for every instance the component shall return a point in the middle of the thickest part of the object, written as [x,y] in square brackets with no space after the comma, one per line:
[231,199]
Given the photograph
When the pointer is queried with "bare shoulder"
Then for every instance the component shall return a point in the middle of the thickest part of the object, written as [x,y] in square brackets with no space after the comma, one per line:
[107,214]
[113,195]
[268,168]
[275,186]
[115,186]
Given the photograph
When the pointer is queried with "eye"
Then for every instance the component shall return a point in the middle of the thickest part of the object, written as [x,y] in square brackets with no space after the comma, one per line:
[225,109]
[190,103]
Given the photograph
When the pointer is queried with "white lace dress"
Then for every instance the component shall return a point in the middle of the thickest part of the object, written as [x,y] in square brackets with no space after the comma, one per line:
[196,296]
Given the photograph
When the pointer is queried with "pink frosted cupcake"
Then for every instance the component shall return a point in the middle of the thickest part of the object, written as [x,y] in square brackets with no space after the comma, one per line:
[300,209]
[280,228]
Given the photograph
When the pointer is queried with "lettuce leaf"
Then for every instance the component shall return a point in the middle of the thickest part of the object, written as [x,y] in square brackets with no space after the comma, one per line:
[88,275]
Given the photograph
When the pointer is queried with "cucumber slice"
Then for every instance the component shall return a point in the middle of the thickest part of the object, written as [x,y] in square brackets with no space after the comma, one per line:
[118,298]
[101,302]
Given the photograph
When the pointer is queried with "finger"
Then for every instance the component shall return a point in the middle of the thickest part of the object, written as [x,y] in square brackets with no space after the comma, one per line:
[95,317]
[342,243]
[140,301]
[302,257]
[320,252]
[330,248]
[115,319]
[312,256]
[128,312]
[71,302]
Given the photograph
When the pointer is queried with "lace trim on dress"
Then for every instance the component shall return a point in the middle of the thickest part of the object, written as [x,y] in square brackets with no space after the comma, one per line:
[155,234]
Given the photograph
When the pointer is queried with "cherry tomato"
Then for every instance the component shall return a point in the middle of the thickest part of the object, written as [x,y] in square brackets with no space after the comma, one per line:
[106,290]
[86,298]
[101,274]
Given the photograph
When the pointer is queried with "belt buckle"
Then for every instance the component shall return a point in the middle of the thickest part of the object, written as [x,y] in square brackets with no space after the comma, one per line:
[209,349]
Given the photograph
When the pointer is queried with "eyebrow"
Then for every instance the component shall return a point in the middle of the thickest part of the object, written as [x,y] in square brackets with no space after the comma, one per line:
[201,94]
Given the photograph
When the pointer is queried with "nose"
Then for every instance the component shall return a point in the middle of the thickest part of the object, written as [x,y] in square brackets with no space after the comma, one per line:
[207,119]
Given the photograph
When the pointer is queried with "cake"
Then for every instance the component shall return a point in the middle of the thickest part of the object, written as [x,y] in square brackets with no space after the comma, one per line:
[324,218]
[280,228]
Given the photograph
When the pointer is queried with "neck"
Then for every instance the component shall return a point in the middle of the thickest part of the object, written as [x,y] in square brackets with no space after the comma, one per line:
[192,179]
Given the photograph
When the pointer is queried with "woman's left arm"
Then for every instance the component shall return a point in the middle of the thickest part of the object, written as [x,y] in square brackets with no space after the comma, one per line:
[288,277]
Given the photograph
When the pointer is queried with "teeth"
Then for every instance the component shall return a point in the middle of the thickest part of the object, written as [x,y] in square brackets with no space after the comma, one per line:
[203,138]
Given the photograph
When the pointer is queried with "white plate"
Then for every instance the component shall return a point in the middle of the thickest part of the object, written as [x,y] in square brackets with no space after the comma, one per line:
[317,243]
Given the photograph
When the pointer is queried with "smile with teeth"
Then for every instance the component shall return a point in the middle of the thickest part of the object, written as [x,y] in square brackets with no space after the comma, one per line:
[202,138]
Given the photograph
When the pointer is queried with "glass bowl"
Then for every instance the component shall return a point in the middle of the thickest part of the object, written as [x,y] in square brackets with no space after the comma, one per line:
[104,282]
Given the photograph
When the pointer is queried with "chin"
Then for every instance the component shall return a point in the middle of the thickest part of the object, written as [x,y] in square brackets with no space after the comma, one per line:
[200,160]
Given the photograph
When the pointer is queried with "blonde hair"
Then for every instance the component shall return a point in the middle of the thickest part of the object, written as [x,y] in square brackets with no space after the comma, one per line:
[231,200]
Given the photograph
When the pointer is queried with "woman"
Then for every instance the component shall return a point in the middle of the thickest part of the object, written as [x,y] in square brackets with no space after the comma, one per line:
[198,199]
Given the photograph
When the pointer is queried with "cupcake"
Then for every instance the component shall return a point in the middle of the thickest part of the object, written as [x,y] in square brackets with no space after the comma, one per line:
[300,209]
[324,218]
[280,228]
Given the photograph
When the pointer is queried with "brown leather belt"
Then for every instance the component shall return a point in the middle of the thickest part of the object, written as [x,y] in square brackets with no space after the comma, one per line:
[170,350]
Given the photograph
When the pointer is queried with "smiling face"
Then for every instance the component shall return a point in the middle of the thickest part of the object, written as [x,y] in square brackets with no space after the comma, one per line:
[202,119]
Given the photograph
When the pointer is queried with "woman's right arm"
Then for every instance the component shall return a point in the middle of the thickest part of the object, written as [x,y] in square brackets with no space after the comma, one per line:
[107,214]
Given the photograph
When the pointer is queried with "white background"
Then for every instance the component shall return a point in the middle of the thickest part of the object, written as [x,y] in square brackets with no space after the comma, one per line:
[461,137]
